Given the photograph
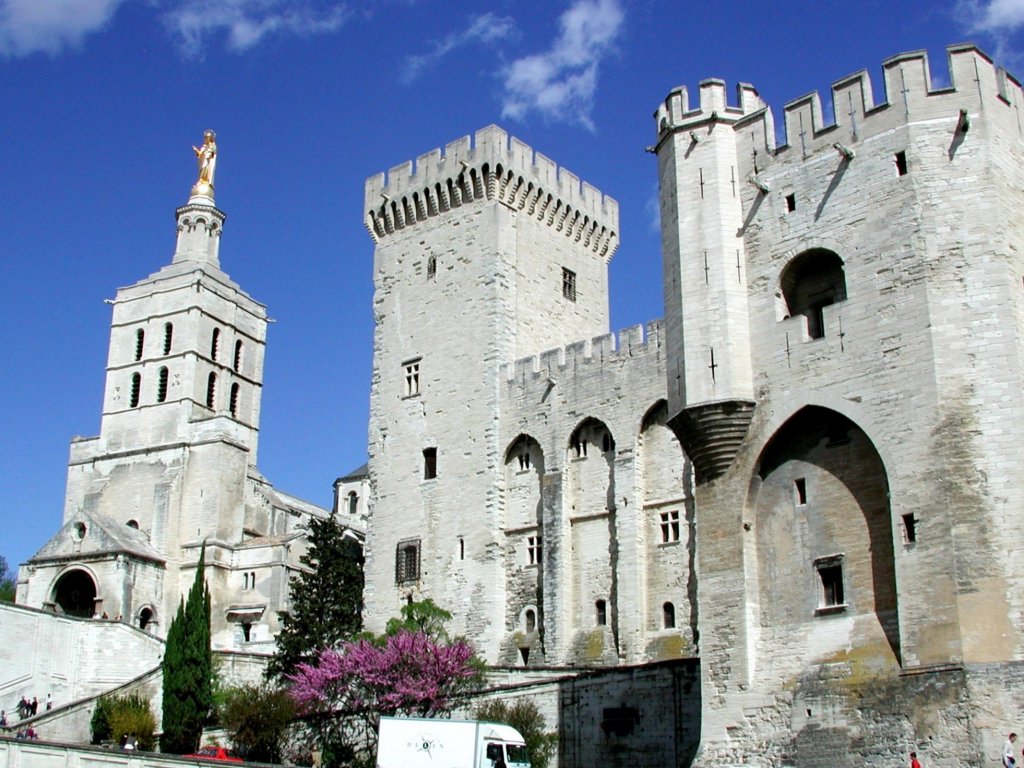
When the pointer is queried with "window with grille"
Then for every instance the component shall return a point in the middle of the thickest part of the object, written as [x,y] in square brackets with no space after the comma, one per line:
[140,339]
[407,561]
[568,284]
[168,337]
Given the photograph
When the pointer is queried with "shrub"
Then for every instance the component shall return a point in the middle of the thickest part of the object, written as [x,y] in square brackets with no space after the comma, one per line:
[119,716]
[525,717]
[258,718]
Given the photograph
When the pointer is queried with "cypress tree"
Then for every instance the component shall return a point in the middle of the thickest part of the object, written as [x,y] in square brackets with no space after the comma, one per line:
[326,599]
[188,669]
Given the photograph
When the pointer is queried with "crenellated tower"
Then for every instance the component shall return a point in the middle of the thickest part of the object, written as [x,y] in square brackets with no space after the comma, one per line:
[710,385]
[485,253]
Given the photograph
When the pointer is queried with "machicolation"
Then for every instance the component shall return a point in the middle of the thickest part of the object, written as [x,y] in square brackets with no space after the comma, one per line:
[494,167]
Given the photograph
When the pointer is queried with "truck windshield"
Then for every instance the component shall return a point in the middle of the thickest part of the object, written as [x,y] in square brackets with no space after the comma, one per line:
[517,754]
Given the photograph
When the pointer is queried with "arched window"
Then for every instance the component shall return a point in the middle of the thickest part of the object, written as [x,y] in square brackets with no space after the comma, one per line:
[237,364]
[168,335]
[214,343]
[531,620]
[75,593]
[211,390]
[161,388]
[812,281]
[145,617]
[133,524]
[601,610]
[233,401]
[140,338]
[136,386]
[668,616]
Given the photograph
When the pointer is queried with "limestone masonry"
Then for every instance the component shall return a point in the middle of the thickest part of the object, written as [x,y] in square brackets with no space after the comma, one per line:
[803,481]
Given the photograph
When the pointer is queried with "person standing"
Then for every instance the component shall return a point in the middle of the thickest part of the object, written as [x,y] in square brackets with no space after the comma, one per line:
[49,702]
[914,762]
[1009,761]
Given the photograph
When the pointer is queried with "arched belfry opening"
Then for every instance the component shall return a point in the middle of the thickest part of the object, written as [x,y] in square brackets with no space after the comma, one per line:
[824,543]
[75,593]
[812,281]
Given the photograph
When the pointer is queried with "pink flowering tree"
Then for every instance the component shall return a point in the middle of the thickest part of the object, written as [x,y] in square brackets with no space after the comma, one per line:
[409,672]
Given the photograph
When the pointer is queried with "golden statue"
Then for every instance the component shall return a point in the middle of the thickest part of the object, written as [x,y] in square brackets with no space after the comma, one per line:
[206,156]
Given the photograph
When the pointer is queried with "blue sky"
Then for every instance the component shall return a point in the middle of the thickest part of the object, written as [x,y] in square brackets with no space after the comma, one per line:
[102,100]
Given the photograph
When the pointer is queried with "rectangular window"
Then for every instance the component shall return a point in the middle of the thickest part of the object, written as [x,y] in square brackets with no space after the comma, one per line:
[791,202]
[533,550]
[429,463]
[407,561]
[568,284]
[669,526]
[830,574]
[412,377]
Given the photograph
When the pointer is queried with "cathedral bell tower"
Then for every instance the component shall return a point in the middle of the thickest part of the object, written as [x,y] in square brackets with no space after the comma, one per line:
[181,405]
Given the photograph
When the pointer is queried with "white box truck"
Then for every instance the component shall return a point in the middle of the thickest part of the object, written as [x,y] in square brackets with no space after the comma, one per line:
[410,742]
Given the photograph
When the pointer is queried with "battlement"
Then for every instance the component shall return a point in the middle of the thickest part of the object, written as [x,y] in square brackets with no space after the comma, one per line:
[493,166]
[632,342]
[675,112]
[909,93]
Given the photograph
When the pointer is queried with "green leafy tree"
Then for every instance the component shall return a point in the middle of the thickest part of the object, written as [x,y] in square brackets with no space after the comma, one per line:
[188,669]
[326,599]
[525,717]
[258,718]
[423,616]
[8,581]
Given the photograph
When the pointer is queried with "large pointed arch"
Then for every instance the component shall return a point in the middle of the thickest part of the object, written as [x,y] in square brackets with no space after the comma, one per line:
[823,535]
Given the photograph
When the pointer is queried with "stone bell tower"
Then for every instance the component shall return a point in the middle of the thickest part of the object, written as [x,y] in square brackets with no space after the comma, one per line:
[180,423]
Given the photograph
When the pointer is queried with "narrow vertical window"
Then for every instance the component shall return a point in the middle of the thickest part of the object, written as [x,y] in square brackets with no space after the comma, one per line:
[233,401]
[136,386]
[668,616]
[431,267]
[568,284]
[237,363]
[353,503]
[140,338]
[429,463]
[790,202]
[531,620]
[161,387]
[900,159]
[214,343]
[462,548]
[211,390]
[601,610]
[909,528]
[800,491]
[168,336]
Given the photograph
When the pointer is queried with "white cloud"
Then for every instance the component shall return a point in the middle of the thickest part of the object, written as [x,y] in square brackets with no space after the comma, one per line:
[560,83]
[997,20]
[487,28]
[50,26]
[247,22]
